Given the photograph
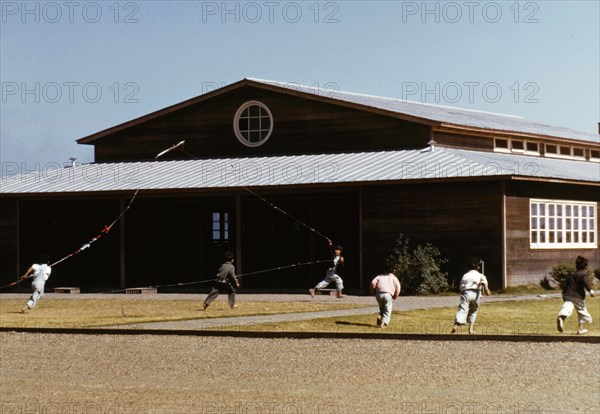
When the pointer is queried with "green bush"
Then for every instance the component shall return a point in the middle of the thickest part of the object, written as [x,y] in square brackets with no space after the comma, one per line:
[419,269]
[596,279]
[561,272]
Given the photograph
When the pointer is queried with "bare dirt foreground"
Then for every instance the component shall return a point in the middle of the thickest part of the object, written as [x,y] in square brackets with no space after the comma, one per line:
[51,373]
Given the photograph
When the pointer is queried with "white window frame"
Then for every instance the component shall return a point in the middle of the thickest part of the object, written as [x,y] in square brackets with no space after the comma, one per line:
[594,159]
[563,224]
[565,156]
[262,131]
[530,152]
[579,157]
[513,150]
[517,150]
[502,149]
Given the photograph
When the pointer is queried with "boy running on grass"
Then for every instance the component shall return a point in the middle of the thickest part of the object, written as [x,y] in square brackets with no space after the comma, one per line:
[574,296]
[225,282]
[41,273]
[471,285]
[386,288]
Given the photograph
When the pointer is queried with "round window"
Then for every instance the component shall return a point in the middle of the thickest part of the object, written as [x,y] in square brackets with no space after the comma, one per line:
[253,123]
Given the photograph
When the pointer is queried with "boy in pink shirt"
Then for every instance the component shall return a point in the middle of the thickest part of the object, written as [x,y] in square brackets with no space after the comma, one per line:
[386,288]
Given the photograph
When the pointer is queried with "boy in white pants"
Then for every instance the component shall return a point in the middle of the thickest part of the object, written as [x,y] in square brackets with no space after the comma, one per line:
[574,296]
[471,285]
[332,274]
[41,273]
[386,288]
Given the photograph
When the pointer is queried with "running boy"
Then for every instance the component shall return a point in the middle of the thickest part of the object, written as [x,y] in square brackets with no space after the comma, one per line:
[41,273]
[225,282]
[386,288]
[574,296]
[471,285]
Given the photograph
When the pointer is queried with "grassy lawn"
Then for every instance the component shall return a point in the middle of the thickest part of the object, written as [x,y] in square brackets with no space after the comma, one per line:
[504,318]
[85,313]
[533,317]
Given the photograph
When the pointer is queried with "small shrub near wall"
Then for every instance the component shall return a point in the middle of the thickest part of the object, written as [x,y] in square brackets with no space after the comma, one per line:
[419,269]
[561,272]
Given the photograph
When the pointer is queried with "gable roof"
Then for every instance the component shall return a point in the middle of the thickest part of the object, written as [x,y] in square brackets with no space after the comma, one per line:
[298,170]
[438,116]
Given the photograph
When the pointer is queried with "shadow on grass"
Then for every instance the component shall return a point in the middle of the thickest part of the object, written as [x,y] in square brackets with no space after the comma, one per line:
[353,324]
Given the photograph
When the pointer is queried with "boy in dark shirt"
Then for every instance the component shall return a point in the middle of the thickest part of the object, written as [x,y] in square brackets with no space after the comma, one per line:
[225,282]
[574,296]
[333,273]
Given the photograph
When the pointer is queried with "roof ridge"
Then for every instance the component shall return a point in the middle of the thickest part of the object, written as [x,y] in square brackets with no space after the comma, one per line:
[385,98]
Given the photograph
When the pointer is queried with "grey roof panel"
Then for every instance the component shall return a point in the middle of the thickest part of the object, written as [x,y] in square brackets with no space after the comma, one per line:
[443,114]
[296,170]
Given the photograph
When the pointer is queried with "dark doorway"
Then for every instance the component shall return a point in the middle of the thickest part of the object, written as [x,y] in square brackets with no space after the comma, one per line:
[272,239]
[60,227]
[174,241]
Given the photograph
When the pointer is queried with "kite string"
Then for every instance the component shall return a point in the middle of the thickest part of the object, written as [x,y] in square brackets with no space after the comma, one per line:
[198,282]
[288,214]
[105,230]
[180,146]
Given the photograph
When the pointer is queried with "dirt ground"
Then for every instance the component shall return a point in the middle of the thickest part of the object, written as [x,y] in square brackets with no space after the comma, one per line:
[51,373]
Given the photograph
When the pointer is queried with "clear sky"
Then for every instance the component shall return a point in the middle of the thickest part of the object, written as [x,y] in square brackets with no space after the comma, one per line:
[71,68]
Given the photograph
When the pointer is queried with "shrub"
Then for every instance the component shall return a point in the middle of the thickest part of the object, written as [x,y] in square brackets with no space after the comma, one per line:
[596,278]
[418,270]
[561,272]
[547,283]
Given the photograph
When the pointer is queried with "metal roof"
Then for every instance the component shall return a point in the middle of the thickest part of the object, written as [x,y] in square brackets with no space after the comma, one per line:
[443,114]
[297,170]
[447,116]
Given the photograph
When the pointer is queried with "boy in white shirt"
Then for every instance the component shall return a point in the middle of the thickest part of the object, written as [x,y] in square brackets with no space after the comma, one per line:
[41,273]
[471,285]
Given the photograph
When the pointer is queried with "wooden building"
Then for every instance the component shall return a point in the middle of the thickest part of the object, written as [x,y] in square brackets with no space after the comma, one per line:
[357,169]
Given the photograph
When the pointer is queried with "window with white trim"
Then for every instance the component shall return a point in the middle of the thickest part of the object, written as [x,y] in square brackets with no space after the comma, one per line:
[564,151]
[557,224]
[551,149]
[253,123]
[501,145]
[518,146]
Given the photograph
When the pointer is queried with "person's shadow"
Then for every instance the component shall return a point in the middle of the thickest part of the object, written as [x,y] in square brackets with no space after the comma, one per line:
[354,324]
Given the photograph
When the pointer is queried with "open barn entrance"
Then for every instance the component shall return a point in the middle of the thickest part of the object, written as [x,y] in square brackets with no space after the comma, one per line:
[272,239]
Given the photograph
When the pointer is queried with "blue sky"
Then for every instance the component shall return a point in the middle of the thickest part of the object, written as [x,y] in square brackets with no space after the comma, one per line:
[69,69]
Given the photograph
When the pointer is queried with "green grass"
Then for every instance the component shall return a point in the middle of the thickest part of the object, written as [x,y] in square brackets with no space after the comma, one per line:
[536,317]
[532,317]
[533,288]
[85,313]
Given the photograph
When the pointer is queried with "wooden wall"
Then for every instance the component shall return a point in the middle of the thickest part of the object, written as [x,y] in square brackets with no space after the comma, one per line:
[464,141]
[168,239]
[9,231]
[272,239]
[301,126]
[58,227]
[526,265]
[462,219]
